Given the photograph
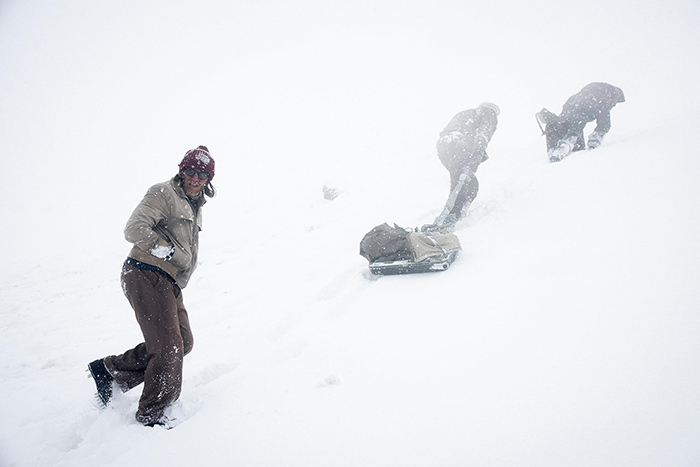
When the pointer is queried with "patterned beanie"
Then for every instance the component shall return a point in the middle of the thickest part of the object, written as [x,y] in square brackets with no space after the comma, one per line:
[200,160]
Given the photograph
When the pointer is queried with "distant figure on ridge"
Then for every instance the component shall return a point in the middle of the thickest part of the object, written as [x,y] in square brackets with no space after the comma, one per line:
[461,148]
[565,131]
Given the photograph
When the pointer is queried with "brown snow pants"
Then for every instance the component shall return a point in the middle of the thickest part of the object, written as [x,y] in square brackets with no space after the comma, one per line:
[157,362]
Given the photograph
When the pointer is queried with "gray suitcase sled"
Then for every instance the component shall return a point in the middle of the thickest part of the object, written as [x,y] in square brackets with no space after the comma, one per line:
[395,250]
[432,248]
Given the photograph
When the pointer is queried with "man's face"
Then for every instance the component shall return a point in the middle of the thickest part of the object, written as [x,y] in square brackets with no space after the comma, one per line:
[193,181]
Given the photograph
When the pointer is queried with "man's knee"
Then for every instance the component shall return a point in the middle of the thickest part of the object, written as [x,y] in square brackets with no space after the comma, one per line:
[187,343]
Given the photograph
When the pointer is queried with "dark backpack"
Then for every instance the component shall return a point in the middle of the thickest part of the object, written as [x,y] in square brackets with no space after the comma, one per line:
[386,243]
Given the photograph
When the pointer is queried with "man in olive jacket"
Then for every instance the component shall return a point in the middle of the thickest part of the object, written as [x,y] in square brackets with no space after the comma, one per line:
[565,131]
[462,147]
[164,230]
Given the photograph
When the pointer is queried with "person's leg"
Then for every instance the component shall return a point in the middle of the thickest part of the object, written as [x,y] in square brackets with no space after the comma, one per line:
[574,134]
[595,139]
[160,324]
[184,320]
[579,142]
[557,145]
[157,303]
[128,368]
[454,179]
[465,197]
[472,191]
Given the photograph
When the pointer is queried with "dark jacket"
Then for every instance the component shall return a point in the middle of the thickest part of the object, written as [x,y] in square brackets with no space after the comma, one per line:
[462,143]
[593,102]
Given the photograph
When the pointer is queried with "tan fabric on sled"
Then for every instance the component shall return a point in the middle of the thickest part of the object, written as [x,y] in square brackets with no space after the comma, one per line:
[427,246]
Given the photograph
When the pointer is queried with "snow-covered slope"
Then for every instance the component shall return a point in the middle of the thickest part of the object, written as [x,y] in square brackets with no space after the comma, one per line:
[565,334]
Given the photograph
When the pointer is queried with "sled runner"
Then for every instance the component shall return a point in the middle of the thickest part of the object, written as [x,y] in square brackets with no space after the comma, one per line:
[395,250]
[386,268]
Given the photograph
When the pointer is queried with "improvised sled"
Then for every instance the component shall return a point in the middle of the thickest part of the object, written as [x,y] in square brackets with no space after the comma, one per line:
[432,248]
[395,250]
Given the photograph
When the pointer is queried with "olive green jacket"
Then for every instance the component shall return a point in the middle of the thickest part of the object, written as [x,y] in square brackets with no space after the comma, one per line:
[166,216]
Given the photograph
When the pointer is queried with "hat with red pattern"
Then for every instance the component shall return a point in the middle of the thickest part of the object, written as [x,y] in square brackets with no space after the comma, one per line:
[200,160]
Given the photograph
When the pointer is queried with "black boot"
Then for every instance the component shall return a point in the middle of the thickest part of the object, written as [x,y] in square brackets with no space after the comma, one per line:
[103,380]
